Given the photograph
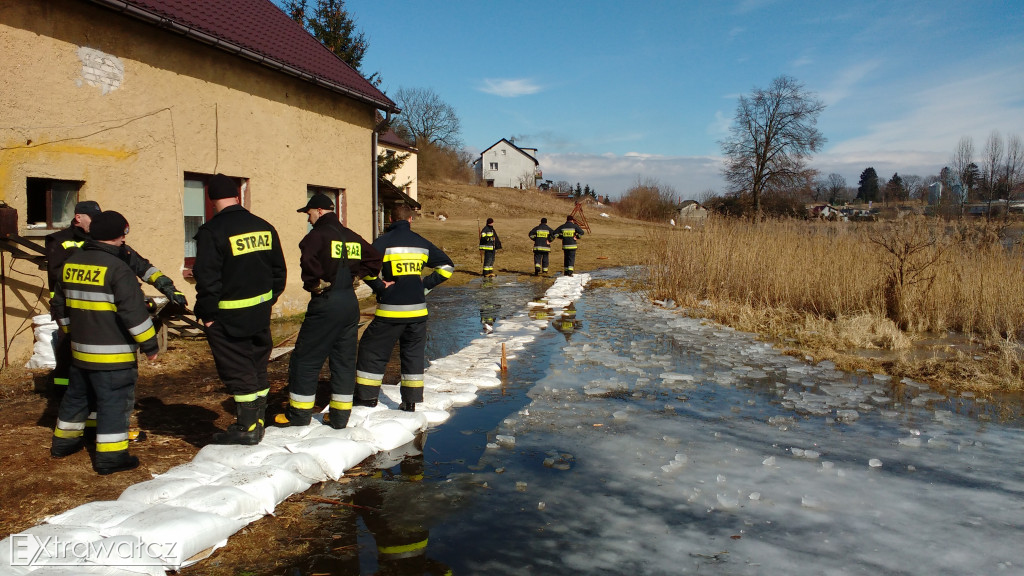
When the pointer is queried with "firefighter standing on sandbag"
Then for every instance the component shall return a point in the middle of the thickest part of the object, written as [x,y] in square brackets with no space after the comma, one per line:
[331,255]
[98,302]
[61,245]
[569,233]
[489,244]
[541,236]
[401,310]
[240,272]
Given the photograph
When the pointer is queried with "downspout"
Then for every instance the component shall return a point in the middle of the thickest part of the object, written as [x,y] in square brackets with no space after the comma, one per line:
[380,127]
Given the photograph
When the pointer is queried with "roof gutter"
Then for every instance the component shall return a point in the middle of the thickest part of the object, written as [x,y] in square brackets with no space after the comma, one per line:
[152,18]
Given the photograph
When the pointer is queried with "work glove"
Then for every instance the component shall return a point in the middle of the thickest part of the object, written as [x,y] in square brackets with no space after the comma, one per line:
[166,286]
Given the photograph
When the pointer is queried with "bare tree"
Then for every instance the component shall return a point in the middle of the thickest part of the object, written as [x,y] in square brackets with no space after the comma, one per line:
[992,169]
[835,187]
[1013,171]
[425,118]
[960,165]
[915,187]
[772,136]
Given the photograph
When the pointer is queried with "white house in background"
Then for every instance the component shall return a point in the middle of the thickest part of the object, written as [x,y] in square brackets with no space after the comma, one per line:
[505,165]
[406,179]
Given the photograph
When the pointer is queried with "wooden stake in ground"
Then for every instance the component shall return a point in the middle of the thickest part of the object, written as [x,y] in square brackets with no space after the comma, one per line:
[504,359]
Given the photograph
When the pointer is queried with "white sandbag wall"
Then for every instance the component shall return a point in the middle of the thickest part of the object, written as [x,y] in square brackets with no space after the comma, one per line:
[44,329]
[182,516]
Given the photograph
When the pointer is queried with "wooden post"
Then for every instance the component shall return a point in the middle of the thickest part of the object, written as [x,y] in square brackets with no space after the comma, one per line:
[504,359]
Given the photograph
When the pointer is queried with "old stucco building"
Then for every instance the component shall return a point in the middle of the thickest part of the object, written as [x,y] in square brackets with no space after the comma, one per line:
[136,103]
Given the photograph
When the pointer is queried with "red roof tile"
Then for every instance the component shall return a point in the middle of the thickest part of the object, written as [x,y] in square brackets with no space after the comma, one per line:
[259,31]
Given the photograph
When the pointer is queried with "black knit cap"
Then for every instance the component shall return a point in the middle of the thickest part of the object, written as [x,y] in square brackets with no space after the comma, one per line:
[88,207]
[108,225]
[543,220]
[490,221]
[222,186]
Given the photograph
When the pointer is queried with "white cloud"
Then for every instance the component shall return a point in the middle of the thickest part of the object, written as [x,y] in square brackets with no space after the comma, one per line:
[847,81]
[509,87]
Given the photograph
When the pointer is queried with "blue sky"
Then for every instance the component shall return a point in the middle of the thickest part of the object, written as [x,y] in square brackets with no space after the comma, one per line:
[609,91]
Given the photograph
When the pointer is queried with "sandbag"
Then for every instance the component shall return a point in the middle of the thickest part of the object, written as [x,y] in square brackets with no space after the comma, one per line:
[334,455]
[157,490]
[40,545]
[412,421]
[179,536]
[302,464]
[236,456]
[271,485]
[389,434]
[98,515]
[202,472]
[226,501]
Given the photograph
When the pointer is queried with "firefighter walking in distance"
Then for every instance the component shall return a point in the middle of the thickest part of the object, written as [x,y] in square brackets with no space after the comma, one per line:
[401,310]
[61,245]
[541,236]
[240,272]
[99,304]
[489,244]
[331,255]
[569,233]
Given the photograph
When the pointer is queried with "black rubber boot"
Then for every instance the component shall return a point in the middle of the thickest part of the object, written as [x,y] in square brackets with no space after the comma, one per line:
[338,419]
[368,403]
[407,406]
[63,447]
[261,411]
[246,431]
[293,417]
[111,462]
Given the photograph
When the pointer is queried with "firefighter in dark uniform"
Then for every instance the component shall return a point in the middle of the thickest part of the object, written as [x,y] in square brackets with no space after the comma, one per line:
[401,310]
[240,272]
[489,244]
[541,236]
[98,302]
[331,255]
[569,233]
[61,245]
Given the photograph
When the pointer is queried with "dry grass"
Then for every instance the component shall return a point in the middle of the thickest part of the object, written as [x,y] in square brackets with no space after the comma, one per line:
[613,241]
[830,288]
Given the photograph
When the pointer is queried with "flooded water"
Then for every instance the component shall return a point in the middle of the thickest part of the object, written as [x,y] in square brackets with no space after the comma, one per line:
[628,439]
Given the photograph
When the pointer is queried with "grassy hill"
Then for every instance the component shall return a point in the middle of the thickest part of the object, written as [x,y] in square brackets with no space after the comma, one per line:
[612,240]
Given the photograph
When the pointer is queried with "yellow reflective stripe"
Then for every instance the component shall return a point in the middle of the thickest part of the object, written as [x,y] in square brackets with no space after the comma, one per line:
[404,548]
[487,247]
[61,381]
[263,393]
[246,397]
[145,335]
[153,278]
[367,381]
[71,244]
[569,247]
[67,433]
[401,313]
[338,405]
[300,405]
[111,446]
[445,271]
[86,305]
[412,383]
[245,302]
[102,358]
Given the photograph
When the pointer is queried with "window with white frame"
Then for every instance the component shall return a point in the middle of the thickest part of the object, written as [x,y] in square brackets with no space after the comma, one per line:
[494,166]
[335,194]
[198,209]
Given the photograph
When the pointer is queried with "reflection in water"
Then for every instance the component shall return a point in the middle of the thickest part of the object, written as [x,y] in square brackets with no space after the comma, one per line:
[566,322]
[384,502]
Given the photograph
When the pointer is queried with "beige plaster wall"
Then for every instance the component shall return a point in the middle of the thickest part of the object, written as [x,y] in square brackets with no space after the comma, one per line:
[407,176]
[168,106]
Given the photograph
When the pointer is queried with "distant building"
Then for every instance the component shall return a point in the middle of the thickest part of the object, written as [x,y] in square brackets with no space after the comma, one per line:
[692,210]
[406,178]
[505,165]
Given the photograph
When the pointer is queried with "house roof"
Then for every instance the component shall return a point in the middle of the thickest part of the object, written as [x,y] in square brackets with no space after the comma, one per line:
[513,146]
[391,138]
[258,31]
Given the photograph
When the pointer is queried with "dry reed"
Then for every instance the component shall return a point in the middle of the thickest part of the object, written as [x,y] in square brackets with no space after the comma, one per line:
[851,284]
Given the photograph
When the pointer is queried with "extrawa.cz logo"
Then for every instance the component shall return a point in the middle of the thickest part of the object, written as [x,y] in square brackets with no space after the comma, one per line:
[32,550]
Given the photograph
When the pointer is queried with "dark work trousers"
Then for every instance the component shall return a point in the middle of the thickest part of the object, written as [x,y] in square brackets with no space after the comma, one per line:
[488,261]
[114,393]
[570,260]
[329,331]
[375,349]
[540,260]
[241,362]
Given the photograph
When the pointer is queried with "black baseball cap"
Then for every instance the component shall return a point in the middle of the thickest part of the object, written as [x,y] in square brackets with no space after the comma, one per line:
[319,200]
[88,207]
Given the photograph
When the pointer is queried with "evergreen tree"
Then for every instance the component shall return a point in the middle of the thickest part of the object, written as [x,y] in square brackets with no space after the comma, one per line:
[334,27]
[894,189]
[577,192]
[867,189]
